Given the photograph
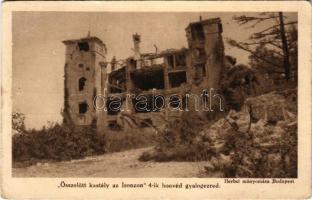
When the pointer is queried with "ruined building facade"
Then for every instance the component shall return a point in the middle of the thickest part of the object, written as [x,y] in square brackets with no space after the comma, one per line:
[172,72]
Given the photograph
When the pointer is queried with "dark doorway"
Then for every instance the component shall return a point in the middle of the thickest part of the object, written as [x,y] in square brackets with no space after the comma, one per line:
[83,108]
[177,78]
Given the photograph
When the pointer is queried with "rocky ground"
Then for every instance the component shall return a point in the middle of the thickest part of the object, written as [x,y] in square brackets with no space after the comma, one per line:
[121,164]
[258,140]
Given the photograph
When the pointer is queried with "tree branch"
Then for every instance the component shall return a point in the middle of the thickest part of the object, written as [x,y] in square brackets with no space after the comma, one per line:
[262,35]
[271,42]
[275,26]
[246,19]
[240,46]
[270,69]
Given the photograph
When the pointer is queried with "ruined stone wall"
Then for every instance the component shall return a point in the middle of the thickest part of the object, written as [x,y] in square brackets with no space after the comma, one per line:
[215,53]
[100,81]
[82,64]
[204,65]
[206,44]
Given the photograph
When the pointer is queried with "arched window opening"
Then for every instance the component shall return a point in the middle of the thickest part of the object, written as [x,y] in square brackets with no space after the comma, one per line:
[82,83]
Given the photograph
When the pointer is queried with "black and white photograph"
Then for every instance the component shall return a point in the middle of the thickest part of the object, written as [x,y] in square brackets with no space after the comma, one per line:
[132,99]
[155,94]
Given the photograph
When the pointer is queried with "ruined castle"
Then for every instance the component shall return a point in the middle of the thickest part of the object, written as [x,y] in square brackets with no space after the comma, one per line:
[172,71]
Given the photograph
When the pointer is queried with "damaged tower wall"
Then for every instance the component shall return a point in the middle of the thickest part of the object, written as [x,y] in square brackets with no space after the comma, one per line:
[83,74]
[207,59]
[215,50]
[205,41]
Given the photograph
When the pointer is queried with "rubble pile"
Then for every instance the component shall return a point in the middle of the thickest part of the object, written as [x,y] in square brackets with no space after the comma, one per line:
[258,141]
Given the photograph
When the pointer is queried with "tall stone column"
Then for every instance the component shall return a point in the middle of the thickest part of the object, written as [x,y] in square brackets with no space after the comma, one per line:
[166,77]
[102,114]
[214,49]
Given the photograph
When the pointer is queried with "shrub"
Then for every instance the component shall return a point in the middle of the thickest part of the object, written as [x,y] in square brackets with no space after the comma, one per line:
[18,122]
[179,141]
[57,142]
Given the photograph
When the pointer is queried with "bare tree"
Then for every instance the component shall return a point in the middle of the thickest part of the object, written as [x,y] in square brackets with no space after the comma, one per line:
[277,38]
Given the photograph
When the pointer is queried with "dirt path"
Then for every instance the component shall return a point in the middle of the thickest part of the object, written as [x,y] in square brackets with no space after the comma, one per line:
[120,164]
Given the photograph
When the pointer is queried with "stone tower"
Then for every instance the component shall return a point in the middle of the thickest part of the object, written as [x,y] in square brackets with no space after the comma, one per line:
[85,78]
[206,44]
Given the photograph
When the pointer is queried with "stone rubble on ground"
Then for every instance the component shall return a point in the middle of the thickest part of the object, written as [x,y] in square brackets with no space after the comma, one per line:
[262,121]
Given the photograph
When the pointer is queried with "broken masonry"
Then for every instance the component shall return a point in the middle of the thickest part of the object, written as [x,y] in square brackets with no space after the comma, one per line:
[172,72]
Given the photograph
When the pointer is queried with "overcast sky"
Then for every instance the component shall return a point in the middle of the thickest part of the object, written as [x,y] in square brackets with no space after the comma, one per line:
[39,54]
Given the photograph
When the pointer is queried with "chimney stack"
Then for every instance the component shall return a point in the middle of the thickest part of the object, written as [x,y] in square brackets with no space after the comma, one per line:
[136,42]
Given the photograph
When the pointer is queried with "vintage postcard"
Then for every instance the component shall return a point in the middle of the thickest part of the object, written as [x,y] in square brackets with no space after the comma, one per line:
[156,100]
